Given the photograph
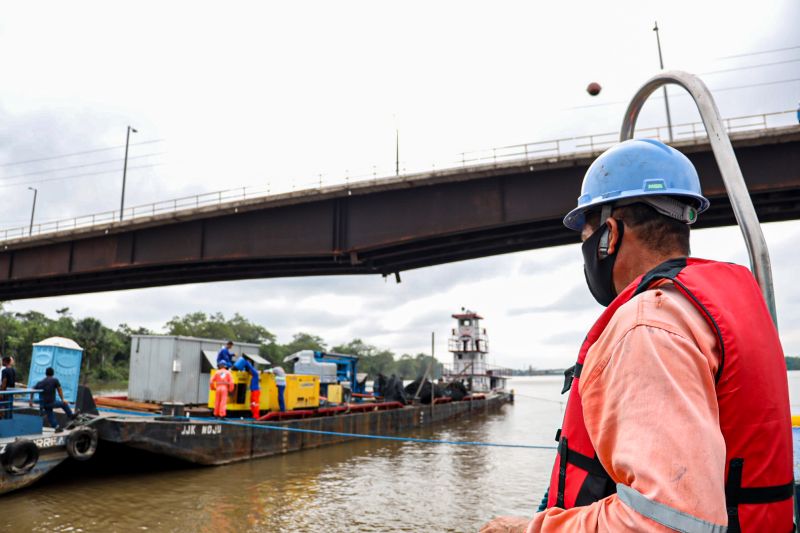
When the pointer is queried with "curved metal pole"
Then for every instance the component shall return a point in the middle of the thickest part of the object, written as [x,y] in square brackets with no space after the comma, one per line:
[728,166]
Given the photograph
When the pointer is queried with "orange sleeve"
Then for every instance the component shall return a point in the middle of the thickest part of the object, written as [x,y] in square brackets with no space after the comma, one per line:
[651,411]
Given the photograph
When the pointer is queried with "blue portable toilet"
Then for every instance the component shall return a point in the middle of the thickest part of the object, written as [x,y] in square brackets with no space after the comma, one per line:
[64,355]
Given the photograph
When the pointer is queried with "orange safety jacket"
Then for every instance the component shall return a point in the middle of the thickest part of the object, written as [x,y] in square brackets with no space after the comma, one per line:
[751,390]
[222,378]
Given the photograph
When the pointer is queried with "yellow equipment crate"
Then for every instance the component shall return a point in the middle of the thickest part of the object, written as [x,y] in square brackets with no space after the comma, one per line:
[302,392]
[239,399]
[335,393]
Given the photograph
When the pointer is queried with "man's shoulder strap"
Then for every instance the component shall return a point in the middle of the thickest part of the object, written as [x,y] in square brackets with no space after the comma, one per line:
[669,269]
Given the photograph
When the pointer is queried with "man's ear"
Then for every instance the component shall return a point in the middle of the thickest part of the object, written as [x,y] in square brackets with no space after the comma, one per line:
[613,235]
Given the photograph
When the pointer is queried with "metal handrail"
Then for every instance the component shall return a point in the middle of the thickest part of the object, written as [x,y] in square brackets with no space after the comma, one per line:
[548,150]
[598,141]
[732,176]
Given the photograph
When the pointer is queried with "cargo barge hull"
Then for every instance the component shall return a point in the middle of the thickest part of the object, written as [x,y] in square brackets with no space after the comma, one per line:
[216,442]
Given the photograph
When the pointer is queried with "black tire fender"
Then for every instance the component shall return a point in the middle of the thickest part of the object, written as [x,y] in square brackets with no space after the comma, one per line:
[20,457]
[82,443]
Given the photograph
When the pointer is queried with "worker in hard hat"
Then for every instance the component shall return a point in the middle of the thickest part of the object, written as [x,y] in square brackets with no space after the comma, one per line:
[678,414]
[226,354]
[255,395]
[243,364]
[221,384]
[280,382]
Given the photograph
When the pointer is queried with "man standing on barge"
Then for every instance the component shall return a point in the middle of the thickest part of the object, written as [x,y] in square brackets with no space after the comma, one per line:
[47,398]
[221,384]
[243,364]
[678,414]
[226,355]
[9,374]
[8,380]
[280,382]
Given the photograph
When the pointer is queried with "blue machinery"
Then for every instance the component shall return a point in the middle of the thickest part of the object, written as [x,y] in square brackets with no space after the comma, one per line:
[346,370]
[332,369]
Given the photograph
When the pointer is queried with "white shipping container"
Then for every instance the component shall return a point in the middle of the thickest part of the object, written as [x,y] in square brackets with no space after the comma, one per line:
[167,368]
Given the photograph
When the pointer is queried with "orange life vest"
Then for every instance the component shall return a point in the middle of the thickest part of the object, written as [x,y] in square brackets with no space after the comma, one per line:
[752,393]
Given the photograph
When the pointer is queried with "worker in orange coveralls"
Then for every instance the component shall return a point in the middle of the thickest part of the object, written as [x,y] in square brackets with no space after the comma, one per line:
[221,384]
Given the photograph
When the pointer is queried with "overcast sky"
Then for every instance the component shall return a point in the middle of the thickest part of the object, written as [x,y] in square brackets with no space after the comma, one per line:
[235,94]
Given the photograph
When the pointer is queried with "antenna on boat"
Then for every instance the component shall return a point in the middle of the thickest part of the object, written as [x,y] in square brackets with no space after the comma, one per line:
[732,176]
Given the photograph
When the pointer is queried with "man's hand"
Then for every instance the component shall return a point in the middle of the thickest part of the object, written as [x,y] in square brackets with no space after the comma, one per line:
[506,524]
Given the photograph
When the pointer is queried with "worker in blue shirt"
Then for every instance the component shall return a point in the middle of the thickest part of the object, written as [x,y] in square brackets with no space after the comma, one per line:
[241,365]
[225,354]
[47,398]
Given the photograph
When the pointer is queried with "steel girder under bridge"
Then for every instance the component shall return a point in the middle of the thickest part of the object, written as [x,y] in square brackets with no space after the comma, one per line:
[377,227]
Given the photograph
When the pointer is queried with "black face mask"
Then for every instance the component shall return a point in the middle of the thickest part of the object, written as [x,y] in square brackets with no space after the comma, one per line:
[598,266]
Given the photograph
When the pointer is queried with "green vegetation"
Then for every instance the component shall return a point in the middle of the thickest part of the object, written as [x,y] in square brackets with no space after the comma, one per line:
[107,351]
[793,363]
[372,360]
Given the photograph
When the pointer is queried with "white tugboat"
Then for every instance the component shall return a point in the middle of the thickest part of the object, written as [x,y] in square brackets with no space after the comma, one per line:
[469,345]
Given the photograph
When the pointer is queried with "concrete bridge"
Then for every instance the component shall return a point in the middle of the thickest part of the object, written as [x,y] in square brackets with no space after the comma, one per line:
[381,226]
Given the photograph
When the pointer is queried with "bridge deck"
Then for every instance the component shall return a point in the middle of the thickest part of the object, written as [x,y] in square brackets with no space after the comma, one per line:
[378,226]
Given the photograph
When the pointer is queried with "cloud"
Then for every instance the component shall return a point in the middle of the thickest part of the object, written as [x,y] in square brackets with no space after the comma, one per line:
[57,101]
[576,299]
[557,258]
[572,338]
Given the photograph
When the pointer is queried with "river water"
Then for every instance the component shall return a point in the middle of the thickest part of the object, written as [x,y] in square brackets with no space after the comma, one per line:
[357,486]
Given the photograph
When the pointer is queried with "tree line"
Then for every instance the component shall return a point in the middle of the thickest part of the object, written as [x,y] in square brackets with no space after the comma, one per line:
[106,354]
[106,351]
[372,360]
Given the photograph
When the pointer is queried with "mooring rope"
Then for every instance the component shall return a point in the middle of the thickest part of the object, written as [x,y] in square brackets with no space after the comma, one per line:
[259,425]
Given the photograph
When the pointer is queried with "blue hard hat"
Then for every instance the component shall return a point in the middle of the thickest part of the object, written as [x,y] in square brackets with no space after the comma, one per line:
[637,169]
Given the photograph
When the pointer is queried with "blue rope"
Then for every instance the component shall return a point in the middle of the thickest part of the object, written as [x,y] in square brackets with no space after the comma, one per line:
[257,425]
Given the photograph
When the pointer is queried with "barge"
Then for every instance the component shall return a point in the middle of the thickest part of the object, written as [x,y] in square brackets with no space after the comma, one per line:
[324,401]
[207,441]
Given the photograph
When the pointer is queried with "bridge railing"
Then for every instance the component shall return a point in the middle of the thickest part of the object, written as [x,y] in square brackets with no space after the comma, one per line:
[557,148]
[534,151]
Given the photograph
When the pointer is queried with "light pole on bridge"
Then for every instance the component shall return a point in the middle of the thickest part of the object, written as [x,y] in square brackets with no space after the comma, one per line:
[125,170]
[33,209]
[661,64]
